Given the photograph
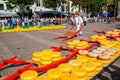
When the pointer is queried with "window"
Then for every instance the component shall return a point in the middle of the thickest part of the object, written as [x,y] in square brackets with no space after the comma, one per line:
[1,7]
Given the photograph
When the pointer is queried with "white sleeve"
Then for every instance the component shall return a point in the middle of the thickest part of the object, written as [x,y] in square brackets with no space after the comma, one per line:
[81,20]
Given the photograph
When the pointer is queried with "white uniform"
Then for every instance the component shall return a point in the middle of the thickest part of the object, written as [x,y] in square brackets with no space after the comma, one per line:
[78,21]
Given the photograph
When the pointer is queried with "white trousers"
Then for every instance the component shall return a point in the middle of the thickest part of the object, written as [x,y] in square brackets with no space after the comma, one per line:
[78,27]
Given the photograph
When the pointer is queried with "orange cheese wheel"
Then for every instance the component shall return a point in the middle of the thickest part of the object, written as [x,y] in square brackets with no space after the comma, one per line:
[105,61]
[82,58]
[96,63]
[91,74]
[43,78]
[84,78]
[29,75]
[56,59]
[75,63]
[56,54]
[37,54]
[99,69]
[54,73]
[46,57]
[70,44]
[35,59]
[65,67]
[89,67]
[47,51]
[69,76]
[45,62]
[70,47]
[79,72]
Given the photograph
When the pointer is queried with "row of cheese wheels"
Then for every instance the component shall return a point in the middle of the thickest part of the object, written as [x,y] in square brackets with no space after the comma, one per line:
[97,37]
[18,29]
[73,70]
[46,56]
[115,32]
[101,54]
[77,44]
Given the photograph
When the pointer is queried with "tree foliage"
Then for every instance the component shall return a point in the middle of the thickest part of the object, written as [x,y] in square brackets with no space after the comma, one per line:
[23,5]
[52,3]
[90,4]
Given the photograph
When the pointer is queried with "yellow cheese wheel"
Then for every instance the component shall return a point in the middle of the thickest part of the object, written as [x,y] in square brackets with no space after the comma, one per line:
[70,43]
[75,63]
[47,51]
[56,59]
[54,73]
[29,75]
[56,54]
[35,59]
[96,63]
[76,41]
[65,67]
[84,43]
[83,52]
[70,47]
[91,74]
[37,54]
[99,69]
[105,61]
[69,76]
[43,78]
[82,58]
[45,62]
[46,57]
[89,67]
[84,78]
[79,72]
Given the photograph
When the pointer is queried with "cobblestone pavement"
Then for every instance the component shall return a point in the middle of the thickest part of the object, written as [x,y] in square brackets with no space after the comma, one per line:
[23,44]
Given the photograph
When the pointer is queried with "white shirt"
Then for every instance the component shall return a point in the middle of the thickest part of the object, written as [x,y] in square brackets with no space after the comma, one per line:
[78,20]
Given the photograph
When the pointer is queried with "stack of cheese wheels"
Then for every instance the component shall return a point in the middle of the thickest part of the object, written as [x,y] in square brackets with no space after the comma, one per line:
[81,45]
[70,45]
[96,63]
[90,68]
[56,56]
[43,78]
[102,38]
[94,38]
[46,58]
[82,58]
[66,68]
[83,52]
[105,58]
[36,57]
[81,73]
[29,75]
[68,76]
[75,63]
[54,73]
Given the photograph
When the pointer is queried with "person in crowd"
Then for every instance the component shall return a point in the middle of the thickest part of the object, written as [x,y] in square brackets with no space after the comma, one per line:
[20,21]
[14,22]
[8,22]
[85,20]
[26,22]
[78,22]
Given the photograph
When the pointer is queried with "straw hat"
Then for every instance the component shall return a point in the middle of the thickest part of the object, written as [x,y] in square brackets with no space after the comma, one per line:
[77,13]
